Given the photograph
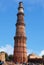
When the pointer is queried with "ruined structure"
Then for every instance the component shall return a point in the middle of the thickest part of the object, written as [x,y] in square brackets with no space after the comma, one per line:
[2,56]
[35,59]
[20,53]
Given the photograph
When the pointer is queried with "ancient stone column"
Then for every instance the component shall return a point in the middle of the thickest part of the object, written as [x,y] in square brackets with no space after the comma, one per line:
[20,53]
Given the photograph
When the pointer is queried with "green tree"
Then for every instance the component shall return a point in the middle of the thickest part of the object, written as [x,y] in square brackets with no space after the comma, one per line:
[43,56]
[10,57]
[6,57]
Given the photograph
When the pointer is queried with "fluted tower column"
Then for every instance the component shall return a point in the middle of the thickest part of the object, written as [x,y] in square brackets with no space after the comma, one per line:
[20,53]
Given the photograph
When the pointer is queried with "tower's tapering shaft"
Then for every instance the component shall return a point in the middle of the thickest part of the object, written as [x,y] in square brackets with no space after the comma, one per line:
[20,54]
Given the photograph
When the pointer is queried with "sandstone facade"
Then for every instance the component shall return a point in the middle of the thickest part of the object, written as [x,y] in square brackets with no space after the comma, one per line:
[20,53]
[2,56]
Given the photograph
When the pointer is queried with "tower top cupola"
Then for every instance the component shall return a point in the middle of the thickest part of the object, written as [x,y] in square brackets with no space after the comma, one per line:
[20,4]
[20,8]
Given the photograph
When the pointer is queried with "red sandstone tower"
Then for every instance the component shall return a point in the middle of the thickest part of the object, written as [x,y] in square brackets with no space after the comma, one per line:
[20,53]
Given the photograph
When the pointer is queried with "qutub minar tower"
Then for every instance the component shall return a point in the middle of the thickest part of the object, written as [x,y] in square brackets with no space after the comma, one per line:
[20,53]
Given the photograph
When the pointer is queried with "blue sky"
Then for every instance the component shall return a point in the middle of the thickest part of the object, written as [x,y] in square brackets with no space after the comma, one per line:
[34,19]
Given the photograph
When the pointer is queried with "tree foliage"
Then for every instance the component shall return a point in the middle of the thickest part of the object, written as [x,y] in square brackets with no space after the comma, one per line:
[43,56]
[10,57]
[7,57]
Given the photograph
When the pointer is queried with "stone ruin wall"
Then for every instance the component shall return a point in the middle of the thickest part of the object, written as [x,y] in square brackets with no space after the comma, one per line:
[2,56]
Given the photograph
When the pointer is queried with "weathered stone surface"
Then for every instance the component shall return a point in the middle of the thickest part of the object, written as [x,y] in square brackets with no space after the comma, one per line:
[2,56]
[20,53]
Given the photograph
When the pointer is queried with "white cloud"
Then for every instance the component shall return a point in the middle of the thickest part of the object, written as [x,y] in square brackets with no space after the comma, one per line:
[41,53]
[8,49]
[29,51]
